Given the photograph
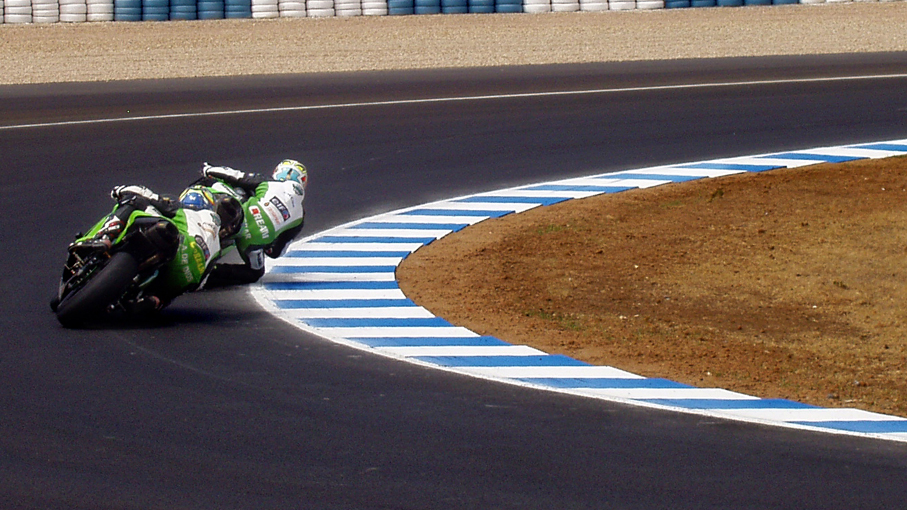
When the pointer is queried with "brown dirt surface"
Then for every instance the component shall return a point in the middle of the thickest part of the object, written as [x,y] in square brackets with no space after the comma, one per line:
[784,284]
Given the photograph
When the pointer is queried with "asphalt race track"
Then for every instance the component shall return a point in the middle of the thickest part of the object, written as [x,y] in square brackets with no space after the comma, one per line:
[218,405]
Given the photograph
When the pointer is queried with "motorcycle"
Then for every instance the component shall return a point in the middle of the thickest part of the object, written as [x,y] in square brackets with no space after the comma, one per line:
[103,280]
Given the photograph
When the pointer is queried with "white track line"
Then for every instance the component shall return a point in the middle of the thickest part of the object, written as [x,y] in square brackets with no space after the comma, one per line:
[454,99]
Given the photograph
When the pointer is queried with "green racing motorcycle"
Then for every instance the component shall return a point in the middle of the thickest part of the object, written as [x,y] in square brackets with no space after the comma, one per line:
[101,280]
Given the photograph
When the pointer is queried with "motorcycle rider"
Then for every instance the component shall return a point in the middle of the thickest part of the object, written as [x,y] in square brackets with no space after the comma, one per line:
[194,235]
[274,216]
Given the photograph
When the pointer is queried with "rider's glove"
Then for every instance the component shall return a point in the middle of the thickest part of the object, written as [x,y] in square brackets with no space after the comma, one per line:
[123,192]
[164,204]
[223,173]
[168,206]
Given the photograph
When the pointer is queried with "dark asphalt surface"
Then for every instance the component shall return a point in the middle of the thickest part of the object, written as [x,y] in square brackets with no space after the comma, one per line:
[217,405]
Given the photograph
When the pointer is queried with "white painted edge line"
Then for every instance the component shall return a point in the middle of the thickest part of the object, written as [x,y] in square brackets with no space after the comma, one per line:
[335,106]
[340,285]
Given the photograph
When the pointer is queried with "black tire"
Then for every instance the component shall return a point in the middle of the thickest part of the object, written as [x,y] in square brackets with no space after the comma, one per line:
[102,289]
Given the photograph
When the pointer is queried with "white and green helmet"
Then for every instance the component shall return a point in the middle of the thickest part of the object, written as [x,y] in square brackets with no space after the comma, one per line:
[291,170]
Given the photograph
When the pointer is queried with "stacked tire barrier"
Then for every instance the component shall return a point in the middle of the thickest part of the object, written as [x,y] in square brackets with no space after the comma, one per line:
[99,10]
[78,11]
[127,10]
[17,11]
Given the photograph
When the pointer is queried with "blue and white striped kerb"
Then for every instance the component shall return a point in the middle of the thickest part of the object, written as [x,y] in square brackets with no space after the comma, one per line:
[340,284]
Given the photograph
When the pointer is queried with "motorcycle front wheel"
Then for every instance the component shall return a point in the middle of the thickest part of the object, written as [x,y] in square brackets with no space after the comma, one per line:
[103,289]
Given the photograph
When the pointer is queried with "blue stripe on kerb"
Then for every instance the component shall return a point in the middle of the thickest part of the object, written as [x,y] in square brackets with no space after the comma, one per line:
[894,147]
[469,341]
[414,226]
[717,403]
[356,285]
[732,166]
[549,360]
[345,254]
[580,188]
[827,158]
[863,426]
[496,199]
[290,304]
[655,177]
[457,212]
[604,383]
[373,239]
[332,269]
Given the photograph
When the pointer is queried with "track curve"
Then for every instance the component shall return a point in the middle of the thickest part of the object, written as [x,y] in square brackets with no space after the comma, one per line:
[342,284]
[219,405]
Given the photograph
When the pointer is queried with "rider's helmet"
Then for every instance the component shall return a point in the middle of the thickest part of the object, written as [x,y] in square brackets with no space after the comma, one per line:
[291,170]
[231,215]
[197,198]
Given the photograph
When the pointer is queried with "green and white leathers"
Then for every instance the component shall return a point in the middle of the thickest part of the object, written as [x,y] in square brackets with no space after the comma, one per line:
[198,249]
[272,210]
[199,246]
[276,207]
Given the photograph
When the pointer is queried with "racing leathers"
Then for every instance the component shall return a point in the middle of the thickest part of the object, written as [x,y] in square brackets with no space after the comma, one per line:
[274,216]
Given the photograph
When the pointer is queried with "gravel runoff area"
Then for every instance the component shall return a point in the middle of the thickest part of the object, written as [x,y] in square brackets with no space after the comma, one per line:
[783,284]
[64,52]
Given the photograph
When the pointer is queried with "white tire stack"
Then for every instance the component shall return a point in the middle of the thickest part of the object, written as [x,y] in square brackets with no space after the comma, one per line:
[291,8]
[99,10]
[650,4]
[536,6]
[320,8]
[17,11]
[347,8]
[374,7]
[593,5]
[564,5]
[76,11]
[265,9]
[45,11]
[621,5]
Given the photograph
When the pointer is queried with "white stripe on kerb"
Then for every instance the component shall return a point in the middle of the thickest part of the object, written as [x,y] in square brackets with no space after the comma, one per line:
[329,277]
[815,414]
[395,312]
[336,294]
[398,332]
[464,350]
[334,261]
[394,233]
[571,372]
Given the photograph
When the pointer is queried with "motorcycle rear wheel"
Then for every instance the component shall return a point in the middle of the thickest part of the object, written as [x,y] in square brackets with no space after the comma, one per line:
[103,289]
